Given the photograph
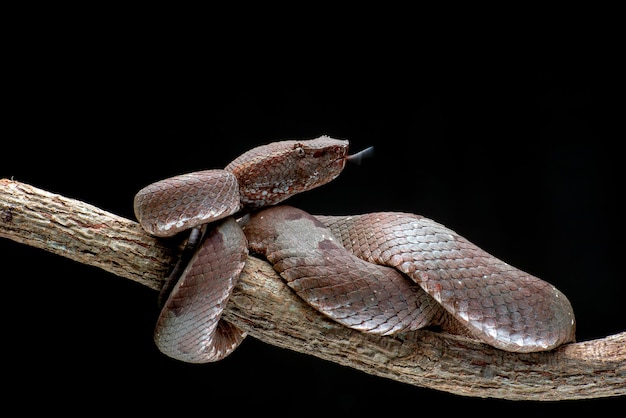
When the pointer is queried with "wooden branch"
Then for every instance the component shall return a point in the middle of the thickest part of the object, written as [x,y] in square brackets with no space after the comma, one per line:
[268,310]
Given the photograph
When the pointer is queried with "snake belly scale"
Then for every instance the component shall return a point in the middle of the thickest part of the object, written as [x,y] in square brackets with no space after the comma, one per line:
[382,273]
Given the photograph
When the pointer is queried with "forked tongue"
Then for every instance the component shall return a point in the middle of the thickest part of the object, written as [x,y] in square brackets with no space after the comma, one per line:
[357,157]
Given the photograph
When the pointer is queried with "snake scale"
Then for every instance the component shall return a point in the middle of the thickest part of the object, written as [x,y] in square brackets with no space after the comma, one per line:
[383,273]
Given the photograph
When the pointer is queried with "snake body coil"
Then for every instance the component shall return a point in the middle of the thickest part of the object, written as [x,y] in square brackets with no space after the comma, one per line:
[381,273]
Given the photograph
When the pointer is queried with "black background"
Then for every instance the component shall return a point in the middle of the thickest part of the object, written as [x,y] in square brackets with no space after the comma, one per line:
[521,157]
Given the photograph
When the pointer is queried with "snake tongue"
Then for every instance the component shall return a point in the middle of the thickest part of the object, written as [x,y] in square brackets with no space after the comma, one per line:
[357,157]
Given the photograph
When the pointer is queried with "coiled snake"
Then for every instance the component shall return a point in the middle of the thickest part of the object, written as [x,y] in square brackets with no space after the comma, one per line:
[383,273]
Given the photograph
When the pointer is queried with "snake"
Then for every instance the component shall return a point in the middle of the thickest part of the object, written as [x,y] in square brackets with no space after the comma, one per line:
[384,273]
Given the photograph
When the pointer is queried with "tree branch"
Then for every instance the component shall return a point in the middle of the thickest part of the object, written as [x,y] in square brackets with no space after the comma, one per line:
[268,310]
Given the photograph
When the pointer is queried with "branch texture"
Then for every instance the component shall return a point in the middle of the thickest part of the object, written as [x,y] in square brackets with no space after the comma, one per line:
[265,307]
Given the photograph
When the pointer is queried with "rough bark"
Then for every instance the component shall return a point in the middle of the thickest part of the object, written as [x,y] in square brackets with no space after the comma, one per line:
[268,310]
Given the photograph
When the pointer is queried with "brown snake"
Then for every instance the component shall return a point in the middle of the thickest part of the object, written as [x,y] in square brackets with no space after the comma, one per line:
[382,273]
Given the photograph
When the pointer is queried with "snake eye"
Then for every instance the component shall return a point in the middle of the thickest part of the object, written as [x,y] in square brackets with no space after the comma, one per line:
[299,150]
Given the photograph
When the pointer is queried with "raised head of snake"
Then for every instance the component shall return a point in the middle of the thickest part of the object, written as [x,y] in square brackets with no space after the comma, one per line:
[263,176]
[271,173]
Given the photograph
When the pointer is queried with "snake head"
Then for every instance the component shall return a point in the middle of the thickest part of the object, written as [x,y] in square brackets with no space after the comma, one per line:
[271,173]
